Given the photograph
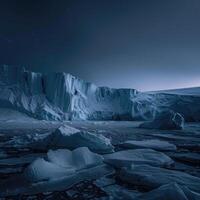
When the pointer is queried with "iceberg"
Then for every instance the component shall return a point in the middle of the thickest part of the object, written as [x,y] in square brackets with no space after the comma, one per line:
[166,120]
[149,104]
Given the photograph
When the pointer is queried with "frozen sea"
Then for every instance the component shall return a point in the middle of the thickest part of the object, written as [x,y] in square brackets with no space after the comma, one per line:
[15,158]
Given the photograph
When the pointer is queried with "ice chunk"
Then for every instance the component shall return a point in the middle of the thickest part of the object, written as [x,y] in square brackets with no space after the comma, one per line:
[61,163]
[42,170]
[170,191]
[64,137]
[77,159]
[71,138]
[58,182]
[115,191]
[151,144]
[149,177]
[138,156]
[165,120]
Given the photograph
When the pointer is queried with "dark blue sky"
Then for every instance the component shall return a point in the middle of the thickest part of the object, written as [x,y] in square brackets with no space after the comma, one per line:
[143,44]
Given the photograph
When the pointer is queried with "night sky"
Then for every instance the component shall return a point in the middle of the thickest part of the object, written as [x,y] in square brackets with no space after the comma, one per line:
[142,44]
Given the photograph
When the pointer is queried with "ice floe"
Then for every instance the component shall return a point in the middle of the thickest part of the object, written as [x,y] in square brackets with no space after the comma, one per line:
[138,156]
[171,191]
[149,177]
[115,191]
[151,144]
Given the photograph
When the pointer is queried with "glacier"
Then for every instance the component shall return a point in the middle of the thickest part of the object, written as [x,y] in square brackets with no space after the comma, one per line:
[61,96]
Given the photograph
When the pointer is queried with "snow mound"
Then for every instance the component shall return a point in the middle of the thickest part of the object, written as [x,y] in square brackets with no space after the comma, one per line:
[150,177]
[170,191]
[165,120]
[61,163]
[71,138]
[151,144]
[138,156]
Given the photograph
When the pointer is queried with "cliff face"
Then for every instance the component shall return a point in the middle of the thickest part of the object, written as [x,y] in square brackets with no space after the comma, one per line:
[61,96]
[24,91]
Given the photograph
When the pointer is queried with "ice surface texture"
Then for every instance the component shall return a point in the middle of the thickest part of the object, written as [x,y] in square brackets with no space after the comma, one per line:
[150,177]
[171,191]
[138,156]
[151,144]
[61,96]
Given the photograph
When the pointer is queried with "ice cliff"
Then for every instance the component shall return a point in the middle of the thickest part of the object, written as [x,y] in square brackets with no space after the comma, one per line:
[61,96]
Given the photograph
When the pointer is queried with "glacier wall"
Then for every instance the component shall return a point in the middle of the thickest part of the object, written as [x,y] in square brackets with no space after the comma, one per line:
[61,96]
